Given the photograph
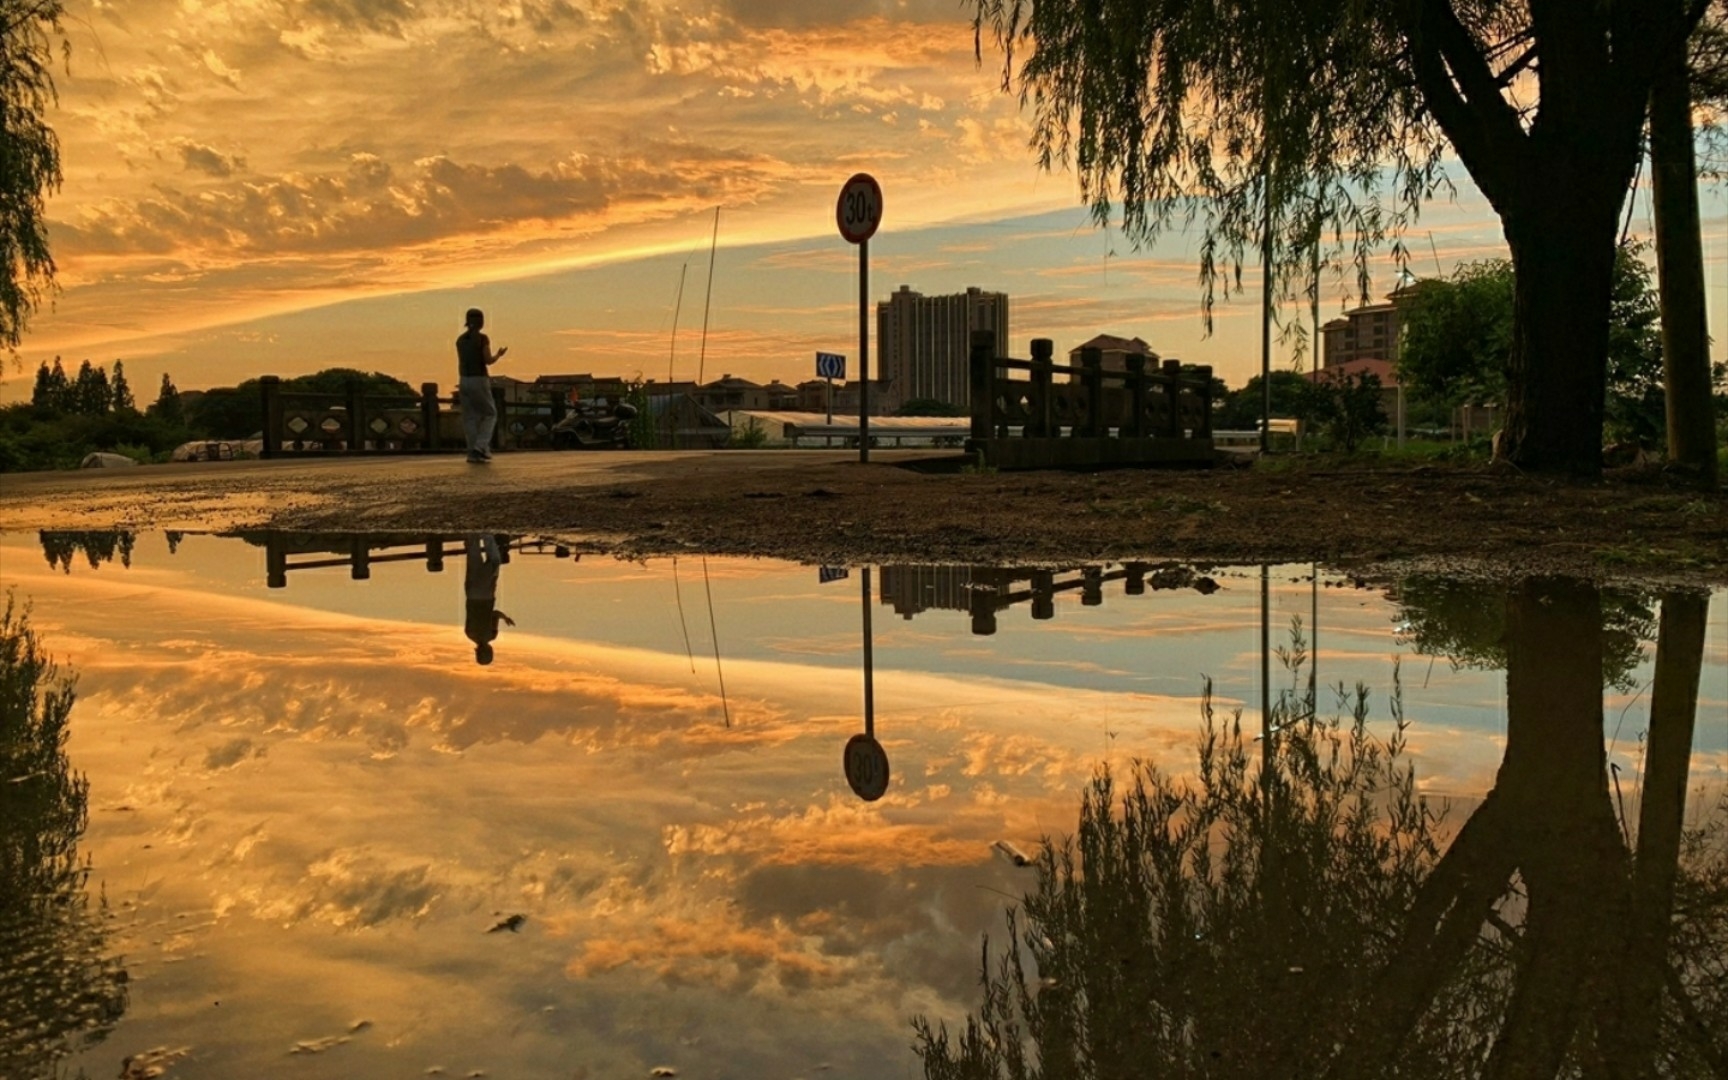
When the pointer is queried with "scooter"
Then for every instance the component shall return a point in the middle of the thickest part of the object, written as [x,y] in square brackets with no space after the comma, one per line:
[594,426]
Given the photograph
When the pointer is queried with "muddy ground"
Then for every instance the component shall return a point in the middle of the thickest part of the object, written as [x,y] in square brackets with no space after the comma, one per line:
[905,506]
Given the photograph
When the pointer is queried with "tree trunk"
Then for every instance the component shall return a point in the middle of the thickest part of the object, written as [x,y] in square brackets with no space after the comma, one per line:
[1680,276]
[1562,241]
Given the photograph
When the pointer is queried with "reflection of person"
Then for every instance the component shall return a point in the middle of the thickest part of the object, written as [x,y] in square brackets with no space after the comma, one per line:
[480,586]
[479,412]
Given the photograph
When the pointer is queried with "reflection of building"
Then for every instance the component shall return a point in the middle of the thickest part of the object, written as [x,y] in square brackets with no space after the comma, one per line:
[913,589]
[923,342]
[359,552]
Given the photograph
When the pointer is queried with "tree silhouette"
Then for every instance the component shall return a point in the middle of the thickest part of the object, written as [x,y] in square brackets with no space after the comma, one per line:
[30,161]
[59,989]
[1289,125]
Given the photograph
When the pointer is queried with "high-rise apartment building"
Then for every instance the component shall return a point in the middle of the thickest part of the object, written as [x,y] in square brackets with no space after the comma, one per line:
[922,342]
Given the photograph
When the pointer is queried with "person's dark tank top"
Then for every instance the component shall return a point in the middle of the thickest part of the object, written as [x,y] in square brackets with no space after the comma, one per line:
[471,353]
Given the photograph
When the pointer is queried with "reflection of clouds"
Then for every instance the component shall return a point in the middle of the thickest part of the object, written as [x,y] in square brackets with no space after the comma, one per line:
[842,833]
[350,889]
[404,793]
[228,754]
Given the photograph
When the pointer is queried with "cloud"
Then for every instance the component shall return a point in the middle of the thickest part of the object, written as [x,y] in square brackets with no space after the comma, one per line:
[368,205]
[376,16]
[208,160]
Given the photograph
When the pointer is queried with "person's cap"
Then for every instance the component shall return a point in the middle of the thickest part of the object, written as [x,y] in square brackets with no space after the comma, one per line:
[474,315]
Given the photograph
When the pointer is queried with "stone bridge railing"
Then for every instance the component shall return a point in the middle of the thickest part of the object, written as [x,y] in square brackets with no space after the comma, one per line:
[352,422]
[1023,418]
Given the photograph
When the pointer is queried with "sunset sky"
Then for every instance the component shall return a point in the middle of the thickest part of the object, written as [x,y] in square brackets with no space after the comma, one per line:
[277,186]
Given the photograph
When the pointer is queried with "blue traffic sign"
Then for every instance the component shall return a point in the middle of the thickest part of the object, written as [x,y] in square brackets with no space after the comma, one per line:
[830,366]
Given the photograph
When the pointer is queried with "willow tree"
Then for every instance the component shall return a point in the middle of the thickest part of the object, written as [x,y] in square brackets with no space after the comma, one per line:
[1320,122]
[29,158]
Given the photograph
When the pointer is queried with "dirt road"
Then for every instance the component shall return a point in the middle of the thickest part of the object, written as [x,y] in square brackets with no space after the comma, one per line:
[908,506]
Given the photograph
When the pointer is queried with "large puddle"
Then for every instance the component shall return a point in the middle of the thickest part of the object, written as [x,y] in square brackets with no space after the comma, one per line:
[471,806]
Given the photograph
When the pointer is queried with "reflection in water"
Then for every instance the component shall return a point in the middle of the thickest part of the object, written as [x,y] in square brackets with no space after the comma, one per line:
[480,590]
[60,547]
[1300,919]
[59,991]
[985,591]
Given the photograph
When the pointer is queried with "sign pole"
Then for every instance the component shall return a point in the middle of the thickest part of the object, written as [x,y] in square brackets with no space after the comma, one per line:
[869,666]
[864,351]
[858,212]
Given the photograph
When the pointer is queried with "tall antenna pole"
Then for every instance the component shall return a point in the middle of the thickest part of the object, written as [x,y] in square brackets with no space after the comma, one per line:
[702,355]
[1266,309]
[671,359]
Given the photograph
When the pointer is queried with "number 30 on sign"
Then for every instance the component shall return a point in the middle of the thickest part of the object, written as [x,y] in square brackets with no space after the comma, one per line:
[859,210]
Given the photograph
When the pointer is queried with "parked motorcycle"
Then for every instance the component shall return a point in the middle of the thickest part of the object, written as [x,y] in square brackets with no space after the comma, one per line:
[595,426]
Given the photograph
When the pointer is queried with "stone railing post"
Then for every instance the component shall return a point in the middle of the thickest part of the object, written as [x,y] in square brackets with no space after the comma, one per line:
[1043,594]
[275,562]
[270,392]
[1043,360]
[356,422]
[1204,374]
[1171,427]
[429,415]
[1092,378]
[359,559]
[1136,363]
[498,428]
[1091,586]
[982,368]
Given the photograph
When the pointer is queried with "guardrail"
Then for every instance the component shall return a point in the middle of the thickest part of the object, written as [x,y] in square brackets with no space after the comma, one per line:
[1095,418]
[300,422]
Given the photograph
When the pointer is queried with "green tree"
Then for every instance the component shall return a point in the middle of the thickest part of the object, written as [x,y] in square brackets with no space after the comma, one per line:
[1455,344]
[59,388]
[123,400]
[29,158]
[1346,406]
[167,406]
[1241,408]
[91,394]
[1288,122]
[1456,336]
[1636,409]
[42,392]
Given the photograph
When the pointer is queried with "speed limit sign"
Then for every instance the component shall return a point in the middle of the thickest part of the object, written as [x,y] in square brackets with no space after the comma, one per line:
[859,210]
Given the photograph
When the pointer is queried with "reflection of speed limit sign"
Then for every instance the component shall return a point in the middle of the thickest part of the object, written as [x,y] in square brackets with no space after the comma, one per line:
[859,210]
[866,767]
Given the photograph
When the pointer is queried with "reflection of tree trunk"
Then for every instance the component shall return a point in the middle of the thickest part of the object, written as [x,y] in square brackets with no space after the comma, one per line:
[1673,708]
[1549,818]
[1554,780]
[1439,930]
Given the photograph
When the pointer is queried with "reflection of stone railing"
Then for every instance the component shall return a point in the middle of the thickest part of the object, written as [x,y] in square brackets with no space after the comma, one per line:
[352,422]
[1099,417]
[984,591]
[359,552]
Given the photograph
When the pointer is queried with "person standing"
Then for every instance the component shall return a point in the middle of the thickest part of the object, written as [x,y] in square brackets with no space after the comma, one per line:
[479,412]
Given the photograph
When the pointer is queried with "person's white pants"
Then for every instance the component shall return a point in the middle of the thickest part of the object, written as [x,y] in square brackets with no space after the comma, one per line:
[479,412]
